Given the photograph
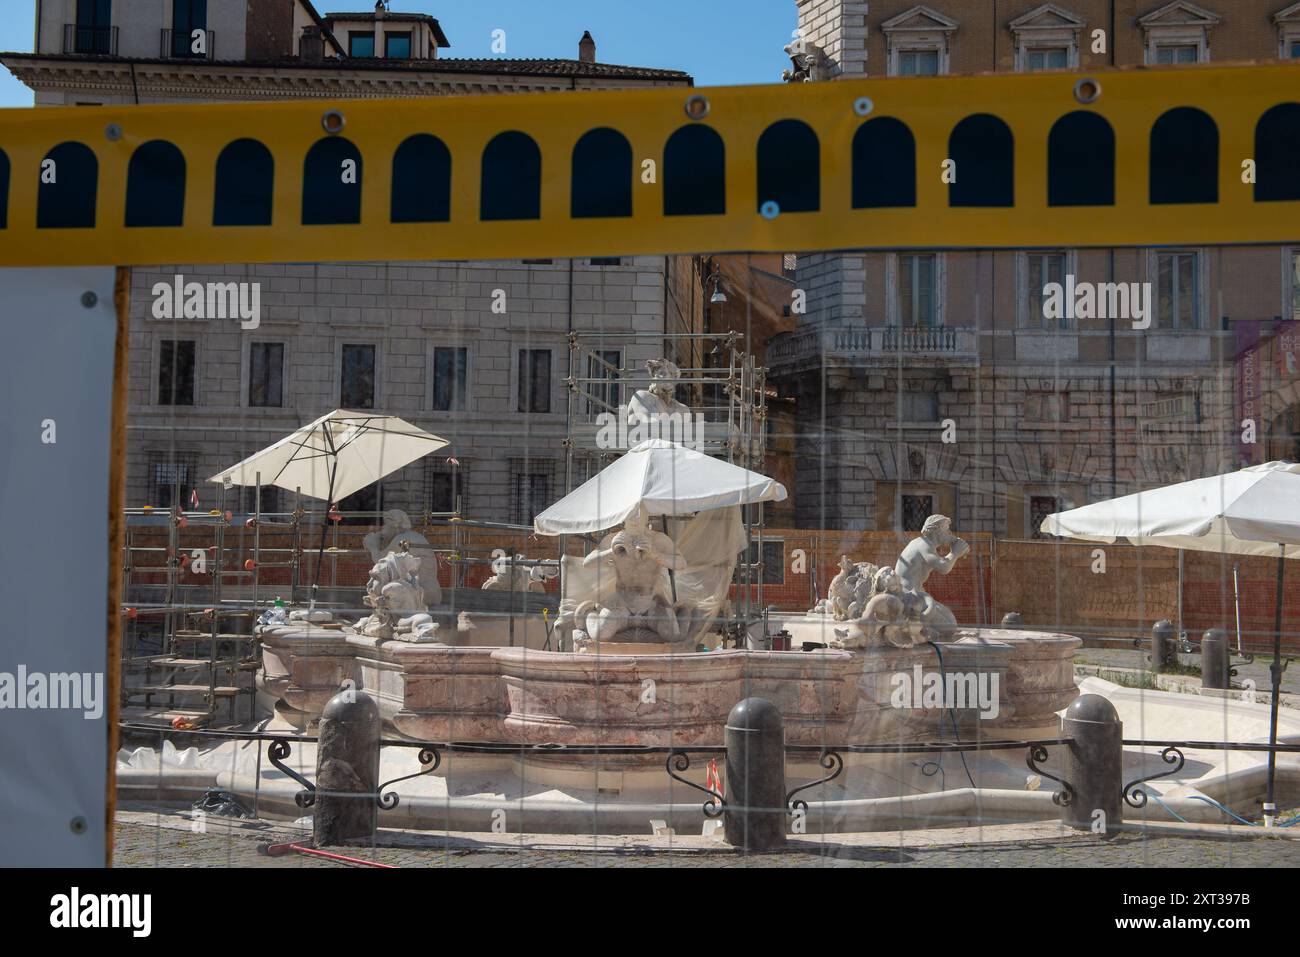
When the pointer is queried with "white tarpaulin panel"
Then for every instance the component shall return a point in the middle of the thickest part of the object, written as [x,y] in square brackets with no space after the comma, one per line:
[56,376]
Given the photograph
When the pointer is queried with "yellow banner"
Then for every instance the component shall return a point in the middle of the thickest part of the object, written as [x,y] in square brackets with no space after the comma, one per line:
[1198,155]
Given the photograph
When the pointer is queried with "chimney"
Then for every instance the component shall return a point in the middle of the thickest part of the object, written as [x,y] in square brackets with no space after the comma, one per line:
[311,47]
[587,48]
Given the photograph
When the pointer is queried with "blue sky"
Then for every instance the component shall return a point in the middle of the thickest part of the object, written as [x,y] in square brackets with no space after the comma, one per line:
[716,41]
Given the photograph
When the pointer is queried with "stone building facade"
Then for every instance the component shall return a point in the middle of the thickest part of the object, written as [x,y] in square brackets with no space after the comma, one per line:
[930,381]
[475,352]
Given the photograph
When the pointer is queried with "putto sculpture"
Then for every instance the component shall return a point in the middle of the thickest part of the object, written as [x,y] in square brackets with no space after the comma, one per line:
[395,531]
[919,559]
[394,593]
[510,576]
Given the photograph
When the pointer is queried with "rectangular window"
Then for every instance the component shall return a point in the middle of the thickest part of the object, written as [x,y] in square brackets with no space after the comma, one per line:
[361,44]
[534,380]
[916,291]
[1176,292]
[1047,407]
[176,372]
[920,406]
[607,261]
[773,570]
[1295,285]
[915,510]
[187,16]
[444,483]
[367,503]
[1047,58]
[1177,53]
[450,378]
[397,46]
[358,386]
[270,499]
[172,480]
[94,30]
[1044,268]
[266,374]
[599,367]
[531,491]
[1293,48]
[1040,506]
[918,63]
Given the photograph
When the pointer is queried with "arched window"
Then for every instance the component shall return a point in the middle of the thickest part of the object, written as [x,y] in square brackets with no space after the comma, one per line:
[1277,154]
[1081,161]
[884,164]
[331,183]
[245,185]
[69,185]
[1184,157]
[789,167]
[602,175]
[155,185]
[983,150]
[421,181]
[4,190]
[511,184]
[695,172]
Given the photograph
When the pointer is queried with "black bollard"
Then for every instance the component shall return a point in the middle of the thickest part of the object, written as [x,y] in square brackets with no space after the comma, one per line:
[1214,659]
[1093,764]
[1163,648]
[347,770]
[754,818]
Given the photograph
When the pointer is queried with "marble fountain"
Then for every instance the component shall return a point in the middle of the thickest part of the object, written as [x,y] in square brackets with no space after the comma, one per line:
[878,662]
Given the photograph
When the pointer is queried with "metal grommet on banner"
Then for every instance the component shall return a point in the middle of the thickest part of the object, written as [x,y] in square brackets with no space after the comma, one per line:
[1086,90]
[333,122]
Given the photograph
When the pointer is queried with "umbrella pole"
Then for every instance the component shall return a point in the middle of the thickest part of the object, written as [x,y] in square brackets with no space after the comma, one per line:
[1270,808]
[320,552]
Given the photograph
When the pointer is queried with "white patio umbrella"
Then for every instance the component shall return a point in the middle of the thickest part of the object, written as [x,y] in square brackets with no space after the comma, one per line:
[335,456]
[664,478]
[1253,511]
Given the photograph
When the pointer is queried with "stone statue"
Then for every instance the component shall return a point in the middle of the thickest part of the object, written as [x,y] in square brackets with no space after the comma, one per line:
[395,530]
[850,589]
[394,593]
[810,63]
[526,578]
[884,617]
[651,404]
[641,609]
[919,559]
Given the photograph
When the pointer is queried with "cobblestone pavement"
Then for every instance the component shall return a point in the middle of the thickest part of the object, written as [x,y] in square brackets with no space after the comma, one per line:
[1136,658]
[164,844]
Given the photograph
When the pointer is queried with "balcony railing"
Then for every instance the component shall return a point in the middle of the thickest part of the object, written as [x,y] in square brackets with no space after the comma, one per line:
[873,342]
[91,41]
[180,46]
